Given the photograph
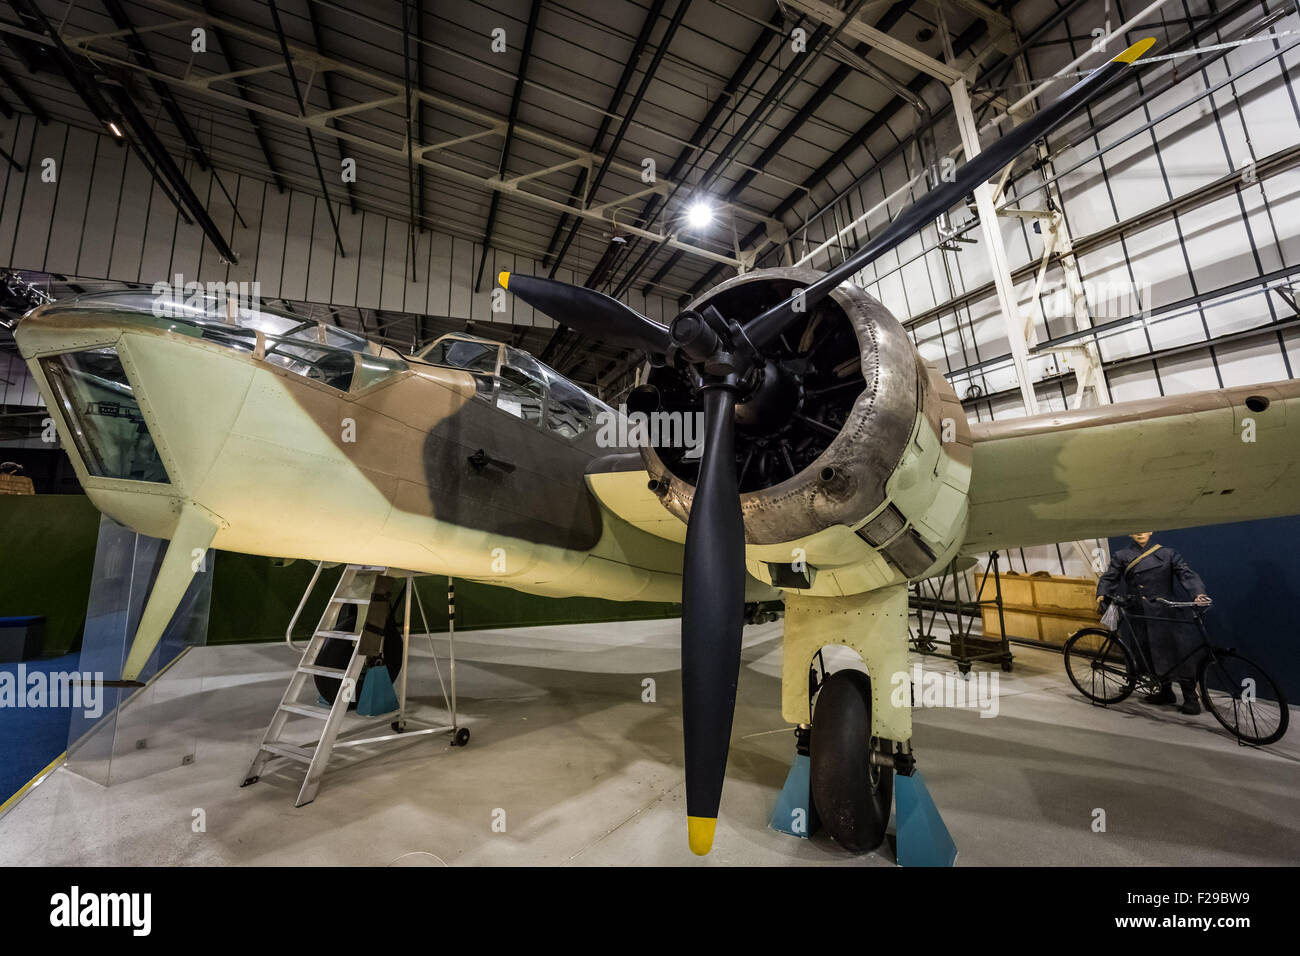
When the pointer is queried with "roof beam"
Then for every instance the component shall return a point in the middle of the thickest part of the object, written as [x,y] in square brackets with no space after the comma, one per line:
[629,68]
[85,44]
[414,213]
[880,40]
[24,97]
[302,110]
[819,96]
[327,82]
[253,121]
[719,104]
[515,97]
[419,107]
[963,43]
[646,79]
[137,47]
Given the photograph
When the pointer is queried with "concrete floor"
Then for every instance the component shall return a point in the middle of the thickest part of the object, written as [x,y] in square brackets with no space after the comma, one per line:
[587,773]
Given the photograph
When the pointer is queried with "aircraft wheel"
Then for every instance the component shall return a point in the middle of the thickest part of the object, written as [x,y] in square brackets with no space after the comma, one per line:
[851,795]
[337,652]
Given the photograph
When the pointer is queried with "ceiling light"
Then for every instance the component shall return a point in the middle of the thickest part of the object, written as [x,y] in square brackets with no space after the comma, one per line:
[116,132]
[699,215]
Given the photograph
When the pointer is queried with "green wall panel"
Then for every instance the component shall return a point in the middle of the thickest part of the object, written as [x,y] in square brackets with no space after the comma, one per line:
[47,553]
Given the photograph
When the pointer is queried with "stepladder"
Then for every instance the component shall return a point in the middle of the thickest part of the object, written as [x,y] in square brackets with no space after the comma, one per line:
[328,678]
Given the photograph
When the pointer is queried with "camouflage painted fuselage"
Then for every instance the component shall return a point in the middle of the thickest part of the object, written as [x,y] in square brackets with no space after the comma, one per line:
[380,474]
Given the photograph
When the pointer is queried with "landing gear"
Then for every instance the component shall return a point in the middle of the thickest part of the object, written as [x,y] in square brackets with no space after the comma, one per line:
[337,652]
[851,792]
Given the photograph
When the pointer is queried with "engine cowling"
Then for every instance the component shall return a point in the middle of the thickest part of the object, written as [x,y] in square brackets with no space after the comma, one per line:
[853,454]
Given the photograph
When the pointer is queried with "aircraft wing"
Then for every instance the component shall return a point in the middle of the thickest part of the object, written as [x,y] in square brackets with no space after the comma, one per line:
[1149,465]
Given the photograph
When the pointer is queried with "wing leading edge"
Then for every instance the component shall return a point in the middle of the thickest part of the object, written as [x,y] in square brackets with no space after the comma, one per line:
[1171,462]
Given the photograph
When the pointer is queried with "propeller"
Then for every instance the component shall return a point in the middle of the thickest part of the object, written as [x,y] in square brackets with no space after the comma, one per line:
[592,313]
[729,360]
[713,597]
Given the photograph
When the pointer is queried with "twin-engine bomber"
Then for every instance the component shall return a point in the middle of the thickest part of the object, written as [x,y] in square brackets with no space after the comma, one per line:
[837,467]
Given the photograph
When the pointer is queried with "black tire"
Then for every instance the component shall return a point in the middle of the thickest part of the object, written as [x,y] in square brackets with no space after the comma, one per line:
[1099,665]
[851,796]
[337,653]
[461,738]
[1220,681]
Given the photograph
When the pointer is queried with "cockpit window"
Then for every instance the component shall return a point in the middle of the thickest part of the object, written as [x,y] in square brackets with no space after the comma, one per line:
[331,366]
[473,356]
[569,412]
[99,406]
[524,387]
[520,394]
[478,357]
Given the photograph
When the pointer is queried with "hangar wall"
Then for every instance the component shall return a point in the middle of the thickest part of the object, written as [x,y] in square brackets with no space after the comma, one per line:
[1175,260]
[105,218]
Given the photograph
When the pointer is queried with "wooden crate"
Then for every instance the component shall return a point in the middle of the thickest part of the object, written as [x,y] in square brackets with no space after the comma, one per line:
[1043,608]
[16,485]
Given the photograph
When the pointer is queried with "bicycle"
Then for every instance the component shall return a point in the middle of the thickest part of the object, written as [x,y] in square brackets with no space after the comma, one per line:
[1107,666]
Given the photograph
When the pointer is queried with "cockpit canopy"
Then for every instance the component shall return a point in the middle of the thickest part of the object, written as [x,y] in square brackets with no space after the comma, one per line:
[518,384]
[305,346]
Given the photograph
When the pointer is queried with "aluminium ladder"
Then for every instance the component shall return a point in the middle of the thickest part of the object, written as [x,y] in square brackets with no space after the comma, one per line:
[356,587]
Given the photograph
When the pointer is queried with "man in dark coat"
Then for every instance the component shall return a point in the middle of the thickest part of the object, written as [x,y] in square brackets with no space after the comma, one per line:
[1137,576]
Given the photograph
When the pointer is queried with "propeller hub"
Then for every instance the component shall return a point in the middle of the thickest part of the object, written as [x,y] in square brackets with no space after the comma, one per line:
[693,338]
[772,401]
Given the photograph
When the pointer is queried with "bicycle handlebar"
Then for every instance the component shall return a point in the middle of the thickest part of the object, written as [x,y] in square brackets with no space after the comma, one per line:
[1167,603]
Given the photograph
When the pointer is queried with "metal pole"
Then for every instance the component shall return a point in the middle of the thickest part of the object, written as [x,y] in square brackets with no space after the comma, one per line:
[451,645]
[997,253]
[406,647]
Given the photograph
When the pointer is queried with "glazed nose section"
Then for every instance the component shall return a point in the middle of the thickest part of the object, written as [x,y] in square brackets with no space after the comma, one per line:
[102,413]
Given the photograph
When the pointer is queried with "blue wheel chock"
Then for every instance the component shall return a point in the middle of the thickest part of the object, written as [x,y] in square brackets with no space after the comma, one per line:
[923,840]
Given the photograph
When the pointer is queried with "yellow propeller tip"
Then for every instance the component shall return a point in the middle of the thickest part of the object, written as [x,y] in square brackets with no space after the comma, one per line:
[504,278]
[1136,50]
[700,832]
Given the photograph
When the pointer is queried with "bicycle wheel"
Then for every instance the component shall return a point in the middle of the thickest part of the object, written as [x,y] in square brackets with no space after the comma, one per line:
[1243,698]
[1099,665]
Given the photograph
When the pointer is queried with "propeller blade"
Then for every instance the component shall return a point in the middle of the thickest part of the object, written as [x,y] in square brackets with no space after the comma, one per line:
[764,328]
[592,313]
[713,600]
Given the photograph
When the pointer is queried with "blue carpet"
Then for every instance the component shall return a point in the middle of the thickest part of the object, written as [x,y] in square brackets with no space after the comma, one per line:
[30,737]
